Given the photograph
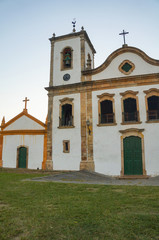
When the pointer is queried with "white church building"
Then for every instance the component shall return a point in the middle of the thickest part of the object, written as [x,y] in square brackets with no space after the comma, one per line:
[103,119]
[23,142]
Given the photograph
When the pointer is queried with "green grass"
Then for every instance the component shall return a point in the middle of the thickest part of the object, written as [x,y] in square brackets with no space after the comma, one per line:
[41,210]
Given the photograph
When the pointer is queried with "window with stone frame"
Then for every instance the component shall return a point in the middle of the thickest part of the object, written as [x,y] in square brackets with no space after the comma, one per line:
[66,113]
[130,107]
[126,67]
[66,58]
[152,104]
[106,109]
[66,146]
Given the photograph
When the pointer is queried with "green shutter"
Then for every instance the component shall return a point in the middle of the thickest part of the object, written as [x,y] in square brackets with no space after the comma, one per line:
[22,157]
[132,156]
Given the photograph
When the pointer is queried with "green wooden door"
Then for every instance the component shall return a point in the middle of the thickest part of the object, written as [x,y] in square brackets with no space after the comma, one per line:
[132,156]
[22,157]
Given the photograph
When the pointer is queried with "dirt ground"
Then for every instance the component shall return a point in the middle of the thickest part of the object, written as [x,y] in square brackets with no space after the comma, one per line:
[86,177]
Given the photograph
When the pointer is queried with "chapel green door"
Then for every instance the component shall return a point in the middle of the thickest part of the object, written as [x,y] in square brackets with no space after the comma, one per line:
[22,157]
[133,156]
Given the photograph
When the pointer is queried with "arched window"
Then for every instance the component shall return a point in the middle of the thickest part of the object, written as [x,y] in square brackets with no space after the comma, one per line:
[67,58]
[106,109]
[153,107]
[130,107]
[89,61]
[66,119]
[130,113]
[152,104]
[66,113]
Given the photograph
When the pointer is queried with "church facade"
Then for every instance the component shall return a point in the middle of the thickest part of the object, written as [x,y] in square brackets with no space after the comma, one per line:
[103,119]
[23,142]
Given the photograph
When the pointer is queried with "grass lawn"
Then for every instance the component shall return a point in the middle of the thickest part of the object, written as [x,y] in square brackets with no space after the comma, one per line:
[36,211]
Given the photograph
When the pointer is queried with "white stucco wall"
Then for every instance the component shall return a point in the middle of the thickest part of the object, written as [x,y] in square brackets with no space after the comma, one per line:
[35,150]
[107,142]
[66,161]
[112,71]
[75,72]
[24,123]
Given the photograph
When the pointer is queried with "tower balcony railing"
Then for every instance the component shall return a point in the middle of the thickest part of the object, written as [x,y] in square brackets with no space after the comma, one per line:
[66,122]
[106,118]
[153,115]
[130,116]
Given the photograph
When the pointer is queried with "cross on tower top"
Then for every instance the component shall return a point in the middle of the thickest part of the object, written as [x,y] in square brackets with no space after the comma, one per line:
[25,100]
[124,33]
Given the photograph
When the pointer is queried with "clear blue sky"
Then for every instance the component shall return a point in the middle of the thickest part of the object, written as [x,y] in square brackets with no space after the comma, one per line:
[26,25]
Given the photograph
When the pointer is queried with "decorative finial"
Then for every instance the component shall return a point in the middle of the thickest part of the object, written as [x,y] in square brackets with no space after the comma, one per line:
[2,124]
[53,35]
[3,121]
[74,24]
[46,121]
[82,28]
[124,33]
[26,100]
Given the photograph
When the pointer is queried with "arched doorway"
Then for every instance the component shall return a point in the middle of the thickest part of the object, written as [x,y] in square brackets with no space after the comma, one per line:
[22,157]
[132,155]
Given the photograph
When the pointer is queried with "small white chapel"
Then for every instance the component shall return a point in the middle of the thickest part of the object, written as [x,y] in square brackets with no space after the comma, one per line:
[103,119]
[23,142]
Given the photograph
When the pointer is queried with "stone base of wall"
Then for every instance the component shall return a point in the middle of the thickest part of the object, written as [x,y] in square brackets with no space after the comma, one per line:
[49,165]
[87,165]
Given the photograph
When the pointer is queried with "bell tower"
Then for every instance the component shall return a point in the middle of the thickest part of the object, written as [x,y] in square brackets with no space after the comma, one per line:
[70,55]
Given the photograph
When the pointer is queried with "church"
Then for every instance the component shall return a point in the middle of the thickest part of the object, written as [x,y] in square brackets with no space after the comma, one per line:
[23,142]
[103,119]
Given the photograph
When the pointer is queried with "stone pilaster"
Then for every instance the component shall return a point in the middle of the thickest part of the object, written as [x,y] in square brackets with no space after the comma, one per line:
[89,128]
[83,128]
[49,162]
[44,151]
[1,149]
[82,53]
[51,63]
[87,162]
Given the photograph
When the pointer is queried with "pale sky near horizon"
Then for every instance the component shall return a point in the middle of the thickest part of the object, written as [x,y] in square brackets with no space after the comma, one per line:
[26,25]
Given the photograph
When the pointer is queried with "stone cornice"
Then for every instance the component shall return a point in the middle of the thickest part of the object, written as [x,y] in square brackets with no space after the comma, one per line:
[66,100]
[23,132]
[139,80]
[129,92]
[105,95]
[151,90]
[72,35]
[119,51]
[131,130]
